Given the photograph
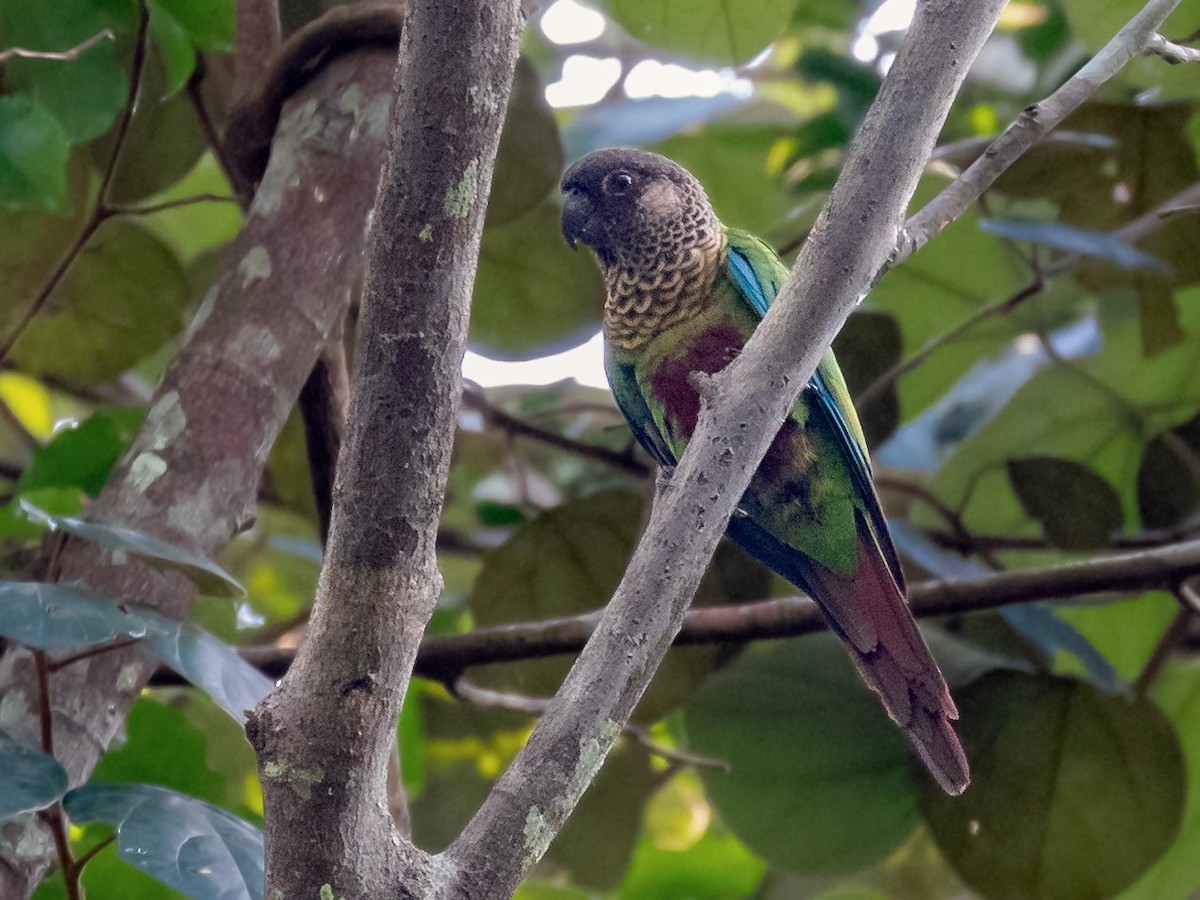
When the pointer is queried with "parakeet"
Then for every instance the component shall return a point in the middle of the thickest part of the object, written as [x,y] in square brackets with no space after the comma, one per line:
[684,293]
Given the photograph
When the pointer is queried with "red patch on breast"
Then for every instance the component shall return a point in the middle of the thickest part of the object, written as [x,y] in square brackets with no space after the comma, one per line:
[711,351]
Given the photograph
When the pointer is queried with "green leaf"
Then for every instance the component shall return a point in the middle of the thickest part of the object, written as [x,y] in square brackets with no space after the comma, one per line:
[1168,487]
[122,299]
[84,93]
[1176,874]
[1125,633]
[1075,793]
[54,617]
[820,780]
[33,156]
[64,501]
[530,159]
[209,24]
[683,853]
[208,663]
[84,456]
[530,303]
[192,846]
[208,577]
[174,47]
[721,31]
[29,778]
[1078,509]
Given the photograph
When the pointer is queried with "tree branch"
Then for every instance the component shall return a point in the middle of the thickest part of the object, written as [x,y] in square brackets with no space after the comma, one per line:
[193,471]
[1034,122]
[742,411]
[332,720]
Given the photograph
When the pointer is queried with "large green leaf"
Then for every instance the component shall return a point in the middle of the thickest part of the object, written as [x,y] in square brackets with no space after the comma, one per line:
[85,93]
[122,299]
[1075,793]
[721,31]
[29,778]
[530,159]
[533,294]
[192,846]
[1124,633]
[209,24]
[820,780]
[54,617]
[33,156]
[1177,873]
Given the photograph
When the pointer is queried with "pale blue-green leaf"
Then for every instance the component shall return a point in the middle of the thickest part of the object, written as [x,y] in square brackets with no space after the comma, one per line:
[208,577]
[57,617]
[29,778]
[1080,241]
[192,846]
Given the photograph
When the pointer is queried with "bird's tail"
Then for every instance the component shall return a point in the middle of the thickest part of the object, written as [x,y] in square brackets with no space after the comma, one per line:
[869,612]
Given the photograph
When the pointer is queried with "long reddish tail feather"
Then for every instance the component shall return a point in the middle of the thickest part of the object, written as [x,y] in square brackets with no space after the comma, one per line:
[870,614]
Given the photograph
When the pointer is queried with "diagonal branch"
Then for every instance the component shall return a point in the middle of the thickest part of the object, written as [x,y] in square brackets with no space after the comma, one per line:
[743,408]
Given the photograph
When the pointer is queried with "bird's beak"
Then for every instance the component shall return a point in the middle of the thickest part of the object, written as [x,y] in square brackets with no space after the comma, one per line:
[576,217]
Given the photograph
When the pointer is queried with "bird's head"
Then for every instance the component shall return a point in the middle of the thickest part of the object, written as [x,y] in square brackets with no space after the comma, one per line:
[630,206]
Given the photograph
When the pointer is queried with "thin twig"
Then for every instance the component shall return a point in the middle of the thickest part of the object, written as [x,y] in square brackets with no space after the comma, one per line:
[1130,233]
[485,698]
[1171,52]
[91,852]
[55,665]
[60,55]
[151,208]
[55,820]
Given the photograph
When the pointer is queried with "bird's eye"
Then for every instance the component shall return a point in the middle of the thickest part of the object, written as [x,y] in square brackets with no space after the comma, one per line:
[619,182]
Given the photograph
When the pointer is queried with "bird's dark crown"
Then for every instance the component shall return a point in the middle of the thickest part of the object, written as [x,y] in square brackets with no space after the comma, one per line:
[626,203]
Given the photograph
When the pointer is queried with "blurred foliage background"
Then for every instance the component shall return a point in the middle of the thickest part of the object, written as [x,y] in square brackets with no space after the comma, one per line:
[1029,381]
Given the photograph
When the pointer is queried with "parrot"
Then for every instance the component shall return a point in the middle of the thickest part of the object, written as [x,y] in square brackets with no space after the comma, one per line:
[683,294]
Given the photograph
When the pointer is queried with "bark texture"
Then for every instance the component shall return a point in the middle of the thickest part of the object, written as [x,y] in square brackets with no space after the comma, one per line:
[192,474]
[324,737]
